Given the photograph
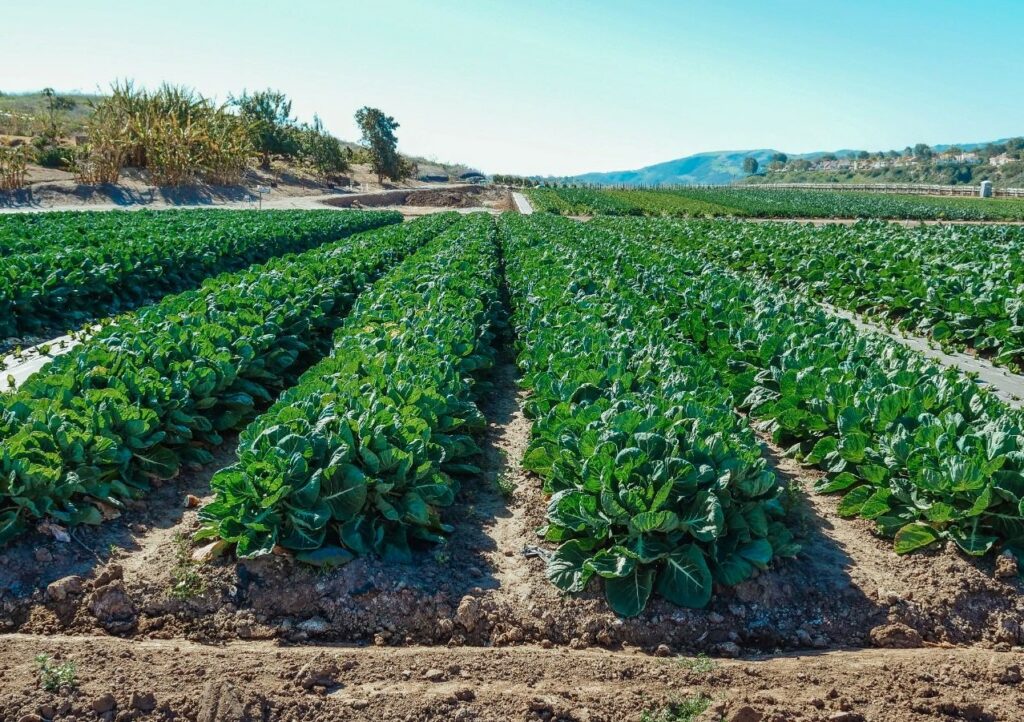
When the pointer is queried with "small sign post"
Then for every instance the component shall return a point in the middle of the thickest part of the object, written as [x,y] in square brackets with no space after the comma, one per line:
[262,190]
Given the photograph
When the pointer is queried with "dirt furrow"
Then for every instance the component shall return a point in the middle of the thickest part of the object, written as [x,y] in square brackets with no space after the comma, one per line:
[260,680]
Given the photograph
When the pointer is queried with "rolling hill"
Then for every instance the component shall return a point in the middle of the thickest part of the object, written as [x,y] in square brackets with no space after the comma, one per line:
[714,167]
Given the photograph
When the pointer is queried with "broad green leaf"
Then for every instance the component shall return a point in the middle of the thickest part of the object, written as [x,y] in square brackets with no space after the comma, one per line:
[913,537]
[628,595]
[685,578]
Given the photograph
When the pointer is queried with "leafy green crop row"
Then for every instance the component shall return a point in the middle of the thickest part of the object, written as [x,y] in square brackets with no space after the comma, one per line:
[770,203]
[798,203]
[157,388]
[588,201]
[918,449]
[64,269]
[359,456]
[961,285]
[656,483]
[579,201]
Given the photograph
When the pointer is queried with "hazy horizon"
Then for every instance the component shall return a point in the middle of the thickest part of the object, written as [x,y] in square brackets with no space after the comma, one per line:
[534,88]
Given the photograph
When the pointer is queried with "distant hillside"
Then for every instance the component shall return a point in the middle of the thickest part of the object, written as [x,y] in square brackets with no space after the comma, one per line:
[715,167]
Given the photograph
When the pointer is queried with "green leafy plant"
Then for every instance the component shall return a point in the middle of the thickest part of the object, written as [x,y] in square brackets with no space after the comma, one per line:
[362,453]
[506,485]
[919,450]
[701,664]
[686,710]
[54,677]
[656,484]
[959,285]
[187,581]
[157,389]
[768,203]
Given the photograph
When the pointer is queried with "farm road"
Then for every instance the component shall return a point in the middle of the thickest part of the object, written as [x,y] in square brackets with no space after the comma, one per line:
[1007,386]
[522,204]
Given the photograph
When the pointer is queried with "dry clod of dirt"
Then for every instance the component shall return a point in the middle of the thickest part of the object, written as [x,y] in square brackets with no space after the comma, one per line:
[468,613]
[1006,566]
[746,713]
[142,701]
[103,703]
[61,589]
[112,607]
[1005,672]
[895,636]
[319,672]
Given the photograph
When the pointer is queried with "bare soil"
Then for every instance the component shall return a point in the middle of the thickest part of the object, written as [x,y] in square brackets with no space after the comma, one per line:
[466,198]
[167,680]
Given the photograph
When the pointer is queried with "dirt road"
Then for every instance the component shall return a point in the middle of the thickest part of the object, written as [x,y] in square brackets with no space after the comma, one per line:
[522,203]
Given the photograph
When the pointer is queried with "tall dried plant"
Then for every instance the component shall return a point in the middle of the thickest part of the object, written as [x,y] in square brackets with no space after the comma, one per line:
[13,168]
[174,133]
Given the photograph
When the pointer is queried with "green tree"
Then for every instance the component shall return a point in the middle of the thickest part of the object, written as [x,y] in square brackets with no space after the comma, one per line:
[380,141]
[863,155]
[922,151]
[750,165]
[267,115]
[780,158]
[321,150]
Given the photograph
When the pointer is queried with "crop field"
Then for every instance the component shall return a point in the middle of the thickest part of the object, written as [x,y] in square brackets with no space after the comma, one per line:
[756,202]
[60,270]
[462,432]
[959,285]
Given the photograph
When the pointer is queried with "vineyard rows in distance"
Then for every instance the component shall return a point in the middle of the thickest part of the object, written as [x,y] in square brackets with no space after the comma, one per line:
[355,369]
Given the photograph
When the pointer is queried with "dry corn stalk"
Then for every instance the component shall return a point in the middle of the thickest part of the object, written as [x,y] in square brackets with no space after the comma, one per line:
[13,166]
[174,133]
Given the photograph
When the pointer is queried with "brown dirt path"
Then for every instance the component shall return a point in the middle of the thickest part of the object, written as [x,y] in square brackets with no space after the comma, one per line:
[176,679]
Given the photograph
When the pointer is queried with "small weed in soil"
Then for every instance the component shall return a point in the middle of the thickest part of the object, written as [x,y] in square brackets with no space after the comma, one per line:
[684,711]
[53,676]
[506,485]
[188,582]
[701,664]
[442,555]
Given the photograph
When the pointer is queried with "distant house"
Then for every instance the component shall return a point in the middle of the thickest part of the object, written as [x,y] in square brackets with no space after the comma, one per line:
[840,164]
[1001,159]
[969,158]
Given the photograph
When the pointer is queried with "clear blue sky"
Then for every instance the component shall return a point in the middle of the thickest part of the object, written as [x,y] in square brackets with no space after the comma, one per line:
[563,86]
